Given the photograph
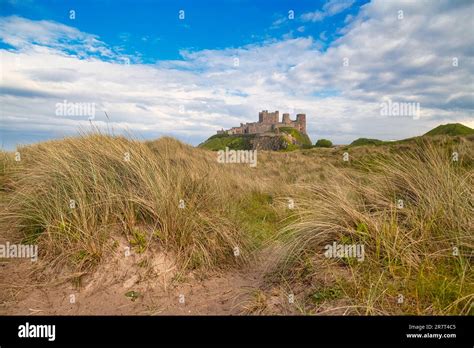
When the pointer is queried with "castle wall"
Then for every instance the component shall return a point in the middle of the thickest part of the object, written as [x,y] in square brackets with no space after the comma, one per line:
[269,121]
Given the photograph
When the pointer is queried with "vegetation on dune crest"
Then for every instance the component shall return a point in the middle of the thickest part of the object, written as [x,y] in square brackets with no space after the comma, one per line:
[221,141]
[420,250]
[447,133]
[70,196]
[366,141]
[451,129]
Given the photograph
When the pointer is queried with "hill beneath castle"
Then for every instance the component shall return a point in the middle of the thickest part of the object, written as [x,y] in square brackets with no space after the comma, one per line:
[285,139]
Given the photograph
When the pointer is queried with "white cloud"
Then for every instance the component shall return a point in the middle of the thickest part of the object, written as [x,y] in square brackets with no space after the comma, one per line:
[404,60]
[330,8]
[26,35]
[278,23]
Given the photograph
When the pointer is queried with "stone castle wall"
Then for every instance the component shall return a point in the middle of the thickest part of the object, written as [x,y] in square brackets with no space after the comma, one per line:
[268,122]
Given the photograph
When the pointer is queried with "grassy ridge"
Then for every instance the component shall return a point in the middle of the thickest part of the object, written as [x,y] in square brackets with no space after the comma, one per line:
[366,141]
[221,141]
[421,251]
[71,196]
[451,129]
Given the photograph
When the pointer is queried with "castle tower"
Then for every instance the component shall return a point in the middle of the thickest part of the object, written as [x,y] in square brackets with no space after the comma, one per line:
[274,117]
[301,120]
[268,117]
[286,119]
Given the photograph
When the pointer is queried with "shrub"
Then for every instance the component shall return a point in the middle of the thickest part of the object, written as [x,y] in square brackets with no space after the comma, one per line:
[366,141]
[323,143]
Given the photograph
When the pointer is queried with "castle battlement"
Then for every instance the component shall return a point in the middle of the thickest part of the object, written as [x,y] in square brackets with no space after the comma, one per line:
[268,122]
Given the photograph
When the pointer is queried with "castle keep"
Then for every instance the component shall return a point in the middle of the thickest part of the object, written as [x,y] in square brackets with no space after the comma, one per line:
[268,122]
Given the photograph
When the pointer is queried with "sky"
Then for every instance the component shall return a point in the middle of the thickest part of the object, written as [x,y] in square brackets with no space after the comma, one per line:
[189,68]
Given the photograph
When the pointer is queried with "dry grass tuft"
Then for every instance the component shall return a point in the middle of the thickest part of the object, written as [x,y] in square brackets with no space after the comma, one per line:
[70,196]
[421,251]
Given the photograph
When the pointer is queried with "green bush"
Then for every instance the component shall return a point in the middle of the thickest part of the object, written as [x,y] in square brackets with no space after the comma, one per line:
[366,141]
[323,143]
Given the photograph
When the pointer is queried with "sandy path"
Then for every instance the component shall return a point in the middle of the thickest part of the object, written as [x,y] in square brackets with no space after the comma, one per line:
[158,290]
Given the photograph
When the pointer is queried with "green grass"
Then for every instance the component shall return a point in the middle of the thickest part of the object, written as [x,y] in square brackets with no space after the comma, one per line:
[323,143]
[258,217]
[138,240]
[302,139]
[451,129]
[132,295]
[366,141]
[323,294]
[233,142]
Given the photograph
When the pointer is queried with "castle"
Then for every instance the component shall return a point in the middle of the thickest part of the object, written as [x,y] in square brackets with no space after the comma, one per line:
[268,122]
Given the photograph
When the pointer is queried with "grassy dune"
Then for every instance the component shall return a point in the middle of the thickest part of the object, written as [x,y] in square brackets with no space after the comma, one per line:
[70,196]
[420,250]
[75,197]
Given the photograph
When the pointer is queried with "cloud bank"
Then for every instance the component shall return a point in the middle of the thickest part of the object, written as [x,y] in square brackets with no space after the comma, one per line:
[423,54]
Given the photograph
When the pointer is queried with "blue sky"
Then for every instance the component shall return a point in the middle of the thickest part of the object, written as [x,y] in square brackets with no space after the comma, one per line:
[152,30]
[156,74]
